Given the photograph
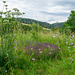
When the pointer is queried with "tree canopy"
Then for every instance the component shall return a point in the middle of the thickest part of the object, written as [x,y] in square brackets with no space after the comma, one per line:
[70,23]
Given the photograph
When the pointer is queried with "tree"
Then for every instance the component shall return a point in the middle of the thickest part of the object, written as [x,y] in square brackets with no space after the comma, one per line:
[71,19]
[70,23]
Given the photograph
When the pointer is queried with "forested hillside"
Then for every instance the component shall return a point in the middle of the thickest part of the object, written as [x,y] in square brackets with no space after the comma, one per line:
[43,24]
[59,25]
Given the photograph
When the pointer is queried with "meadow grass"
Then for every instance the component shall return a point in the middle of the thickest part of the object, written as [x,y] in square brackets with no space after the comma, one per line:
[18,62]
[23,52]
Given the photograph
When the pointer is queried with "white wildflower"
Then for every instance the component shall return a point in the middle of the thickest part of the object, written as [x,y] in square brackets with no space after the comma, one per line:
[66,42]
[68,47]
[33,58]
[49,52]
[40,52]
[7,55]
[72,59]
[73,46]
[73,36]
[54,36]
[16,44]
[59,48]
[31,48]
[39,49]
[71,43]
[5,70]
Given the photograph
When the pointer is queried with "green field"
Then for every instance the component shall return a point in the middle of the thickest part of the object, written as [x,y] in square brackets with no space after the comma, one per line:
[17,62]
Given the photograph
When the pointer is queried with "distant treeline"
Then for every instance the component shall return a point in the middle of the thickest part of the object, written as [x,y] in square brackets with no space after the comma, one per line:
[57,25]
[43,24]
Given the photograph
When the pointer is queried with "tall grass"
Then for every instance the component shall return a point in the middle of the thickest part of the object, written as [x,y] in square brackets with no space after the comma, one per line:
[22,62]
[16,59]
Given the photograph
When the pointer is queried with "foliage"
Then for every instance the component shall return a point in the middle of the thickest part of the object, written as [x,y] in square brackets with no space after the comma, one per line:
[25,28]
[36,27]
[56,51]
[31,21]
[59,25]
[70,23]
[42,24]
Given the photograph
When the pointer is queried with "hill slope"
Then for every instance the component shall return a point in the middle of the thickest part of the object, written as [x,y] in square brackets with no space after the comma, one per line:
[59,25]
[43,24]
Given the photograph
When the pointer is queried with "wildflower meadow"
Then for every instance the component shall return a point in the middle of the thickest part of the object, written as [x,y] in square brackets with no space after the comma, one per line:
[34,51]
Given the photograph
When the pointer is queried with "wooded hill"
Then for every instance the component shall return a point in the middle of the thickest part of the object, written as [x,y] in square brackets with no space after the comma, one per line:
[43,24]
[59,25]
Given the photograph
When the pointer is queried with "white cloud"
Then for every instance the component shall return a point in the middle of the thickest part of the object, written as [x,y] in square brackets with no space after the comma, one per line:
[56,10]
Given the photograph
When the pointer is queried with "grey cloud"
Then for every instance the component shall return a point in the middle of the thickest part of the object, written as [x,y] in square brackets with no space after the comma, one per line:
[52,19]
[70,4]
[55,14]
[40,9]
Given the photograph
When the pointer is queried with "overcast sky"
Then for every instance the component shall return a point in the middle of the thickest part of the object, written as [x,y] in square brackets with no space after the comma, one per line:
[50,11]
